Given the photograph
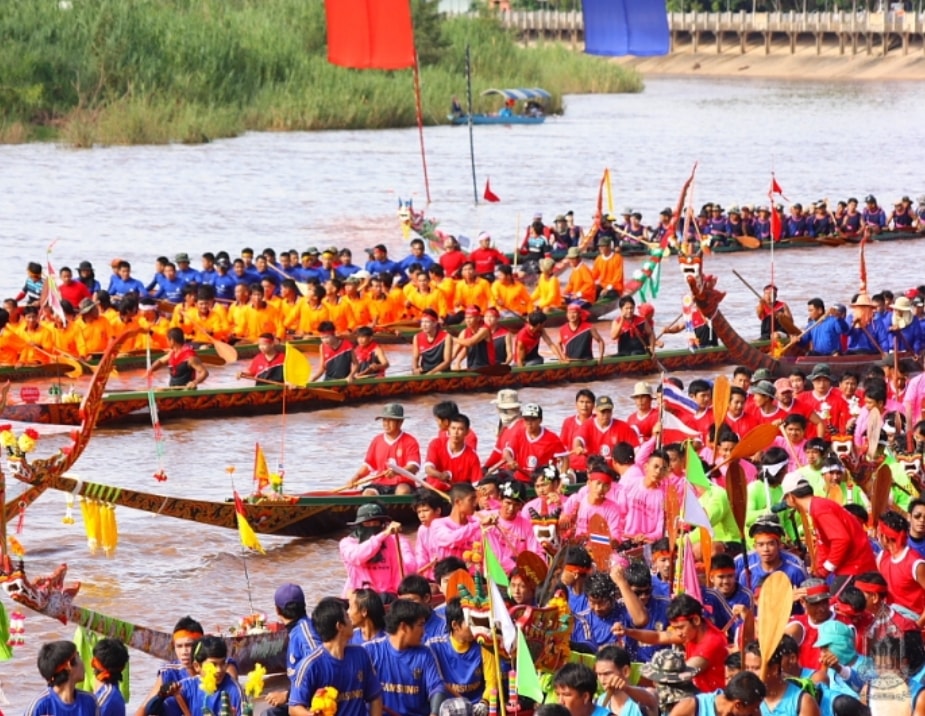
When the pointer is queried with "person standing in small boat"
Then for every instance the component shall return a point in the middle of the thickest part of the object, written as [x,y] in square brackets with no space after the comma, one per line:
[186,368]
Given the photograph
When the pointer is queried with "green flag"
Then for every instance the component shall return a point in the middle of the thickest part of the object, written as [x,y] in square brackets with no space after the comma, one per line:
[695,474]
[528,681]
[493,569]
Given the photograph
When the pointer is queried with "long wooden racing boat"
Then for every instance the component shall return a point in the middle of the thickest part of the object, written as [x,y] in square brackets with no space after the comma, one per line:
[310,515]
[742,352]
[400,333]
[266,399]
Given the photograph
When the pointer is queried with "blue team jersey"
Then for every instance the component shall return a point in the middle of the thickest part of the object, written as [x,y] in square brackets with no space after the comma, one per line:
[224,286]
[409,677]
[660,588]
[358,640]
[577,603]
[169,674]
[347,271]
[198,700]
[597,631]
[790,565]
[110,700]
[657,608]
[435,626]
[303,640]
[169,290]
[718,609]
[189,275]
[917,544]
[207,278]
[118,287]
[50,704]
[354,677]
[462,672]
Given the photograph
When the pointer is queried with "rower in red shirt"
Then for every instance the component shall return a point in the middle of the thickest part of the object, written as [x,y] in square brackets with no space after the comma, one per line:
[646,417]
[599,435]
[443,412]
[901,566]
[577,337]
[738,420]
[450,459]
[763,408]
[532,447]
[574,424]
[392,447]
[268,363]
[826,402]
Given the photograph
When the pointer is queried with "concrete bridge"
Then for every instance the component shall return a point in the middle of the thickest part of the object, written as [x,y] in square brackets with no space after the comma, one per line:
[853,33]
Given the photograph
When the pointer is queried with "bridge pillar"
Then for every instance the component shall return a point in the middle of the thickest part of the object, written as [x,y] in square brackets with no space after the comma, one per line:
[793,43]
[767,43]
[818,43]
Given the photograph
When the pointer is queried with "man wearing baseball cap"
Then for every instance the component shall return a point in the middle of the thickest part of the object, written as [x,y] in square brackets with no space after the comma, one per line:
[532,447]
[842,548]
[599,435]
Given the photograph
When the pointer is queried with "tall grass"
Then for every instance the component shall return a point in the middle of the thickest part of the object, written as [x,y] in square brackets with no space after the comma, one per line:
[157,71]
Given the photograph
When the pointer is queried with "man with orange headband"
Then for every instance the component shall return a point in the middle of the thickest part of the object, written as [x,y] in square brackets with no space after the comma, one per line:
[574,576]
[768,557]
[185,634]
[62,669]
[110,657]
[901,566]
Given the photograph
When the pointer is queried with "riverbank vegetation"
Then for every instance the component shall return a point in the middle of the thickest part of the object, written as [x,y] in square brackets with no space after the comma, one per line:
[89,72]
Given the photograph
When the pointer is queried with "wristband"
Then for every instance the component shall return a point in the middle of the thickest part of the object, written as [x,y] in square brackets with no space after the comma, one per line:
[828,566]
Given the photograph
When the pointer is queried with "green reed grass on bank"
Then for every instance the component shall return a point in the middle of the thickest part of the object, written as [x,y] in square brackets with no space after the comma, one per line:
[159,71]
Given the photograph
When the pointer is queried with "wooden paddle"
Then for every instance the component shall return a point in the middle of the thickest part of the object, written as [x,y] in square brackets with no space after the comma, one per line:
[322,393]
[226,351]
[748,242]
[721,390]
[755,440]
[874,426]
[880,499]
[421,482]
[774,603]
[599,542]
[737,492]
[77,366]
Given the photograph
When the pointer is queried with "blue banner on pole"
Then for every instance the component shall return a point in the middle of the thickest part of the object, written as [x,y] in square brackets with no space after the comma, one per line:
[626,27]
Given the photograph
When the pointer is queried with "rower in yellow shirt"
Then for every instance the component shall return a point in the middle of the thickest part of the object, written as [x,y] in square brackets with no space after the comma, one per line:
[547,296]
[239,313]
[95,331]
[381,303]
[508,294]
[446,284]
[153,326]
[314,312]
[355,303]
[471,290]
[39,340]
[425,296]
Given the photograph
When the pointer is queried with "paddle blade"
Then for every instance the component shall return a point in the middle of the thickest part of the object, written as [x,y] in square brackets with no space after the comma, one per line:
[880,499]
[706,550]
[773,614]
[599,542]
[755,440]
[874,426]
[749,242]
[296,368]
[737,491]
[720,402]
[532,565]
[672,513]
[227,352]
[76,369]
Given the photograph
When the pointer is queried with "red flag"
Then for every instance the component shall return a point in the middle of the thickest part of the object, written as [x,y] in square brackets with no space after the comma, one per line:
[775,187]
[777,227]
[370,34]
[490,196]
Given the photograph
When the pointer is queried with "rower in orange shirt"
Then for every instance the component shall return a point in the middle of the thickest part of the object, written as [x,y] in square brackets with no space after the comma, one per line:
[509,294]
[472,290]
[239,313]
[607,270]
[95,331]
[440,281]
[290,307]
[355,304]
[11,343]
[580,284]
[65,332]
[314,312]
[547,296]
[338,312]
[263,318]
[381,304]
[154,327]
[39,339]
[208,321]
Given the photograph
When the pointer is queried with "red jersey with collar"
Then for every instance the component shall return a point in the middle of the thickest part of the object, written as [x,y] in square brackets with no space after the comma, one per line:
[463,466]
[599,440]
[759,417]
[740,425]
[530,453]
[645,424]
[838,411]
[712,647]
[260,366]
[404,451]
[571,429]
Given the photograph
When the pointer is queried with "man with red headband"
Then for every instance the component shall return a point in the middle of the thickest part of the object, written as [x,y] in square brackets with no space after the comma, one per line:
[432,349]
[577,337]
[704,644]
[878,609]
[336,360]
[579,508]
[901,566]
[724,594]
[842,548]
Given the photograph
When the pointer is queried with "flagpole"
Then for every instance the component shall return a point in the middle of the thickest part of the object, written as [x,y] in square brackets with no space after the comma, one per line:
[247,577]
[418,105]
[494,629]
[475,189]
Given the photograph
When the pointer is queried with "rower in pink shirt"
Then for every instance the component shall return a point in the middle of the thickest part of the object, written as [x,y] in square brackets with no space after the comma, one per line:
[509,532]
[643,503]
[371,552]
[454,534]
[579,509]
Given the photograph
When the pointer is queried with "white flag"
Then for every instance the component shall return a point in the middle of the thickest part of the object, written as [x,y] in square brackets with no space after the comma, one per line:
[501,617]
[693,512]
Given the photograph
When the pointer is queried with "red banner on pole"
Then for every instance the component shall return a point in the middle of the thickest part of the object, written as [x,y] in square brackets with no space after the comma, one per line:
[370,34]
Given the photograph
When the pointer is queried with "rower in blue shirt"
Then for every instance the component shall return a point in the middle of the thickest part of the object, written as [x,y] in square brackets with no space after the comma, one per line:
[379,261]
[725,593]
[768,557]
[641,581]
[122,282]
[823,332]
[224,282]
[338,664]
[594,627]
[412,684]
[903,333]
[184,271]
[796,224]
[460,657]
[873,217]
[169,285]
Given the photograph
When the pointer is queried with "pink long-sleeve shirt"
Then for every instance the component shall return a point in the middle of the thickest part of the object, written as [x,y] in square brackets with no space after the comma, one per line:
[450,539]
[382,575]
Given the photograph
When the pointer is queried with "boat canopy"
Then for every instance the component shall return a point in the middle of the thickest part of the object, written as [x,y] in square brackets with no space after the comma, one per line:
[520,93]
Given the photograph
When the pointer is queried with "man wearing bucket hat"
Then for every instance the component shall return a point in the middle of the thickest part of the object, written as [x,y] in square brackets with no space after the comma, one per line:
[836,644]
[672,677]
[392,447]
[644,420]
[825,402]
[533,446]
[842,548]
[508,406]
[371,551]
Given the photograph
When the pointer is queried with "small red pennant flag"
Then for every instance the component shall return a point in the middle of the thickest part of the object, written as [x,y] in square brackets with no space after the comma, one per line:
[490,196]
[775,187]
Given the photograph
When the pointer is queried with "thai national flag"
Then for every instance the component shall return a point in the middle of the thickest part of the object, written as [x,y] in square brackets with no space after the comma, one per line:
[674,398]
[599,539]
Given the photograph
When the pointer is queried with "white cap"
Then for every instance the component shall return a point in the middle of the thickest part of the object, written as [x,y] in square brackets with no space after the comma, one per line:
[793,481]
